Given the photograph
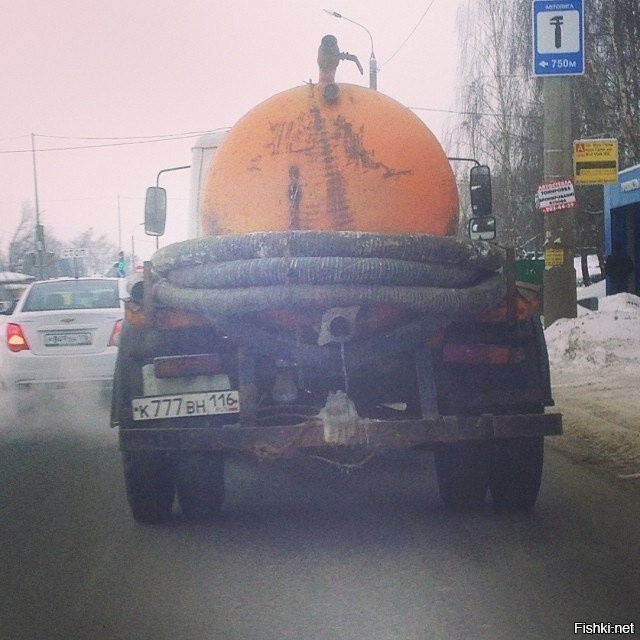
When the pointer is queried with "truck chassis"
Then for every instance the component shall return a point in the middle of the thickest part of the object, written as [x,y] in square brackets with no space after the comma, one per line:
[476,396]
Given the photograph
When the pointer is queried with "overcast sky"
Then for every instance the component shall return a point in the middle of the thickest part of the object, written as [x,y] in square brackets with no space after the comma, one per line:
[83,72]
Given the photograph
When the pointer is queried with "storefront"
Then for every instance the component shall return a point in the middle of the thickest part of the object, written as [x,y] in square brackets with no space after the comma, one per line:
[622,220]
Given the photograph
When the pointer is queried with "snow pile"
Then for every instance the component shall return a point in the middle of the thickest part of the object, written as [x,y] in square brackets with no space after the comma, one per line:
[595,366]
[607,338]
[597,290]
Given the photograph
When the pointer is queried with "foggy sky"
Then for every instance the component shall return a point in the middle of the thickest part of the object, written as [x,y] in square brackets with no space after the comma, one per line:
[82,72]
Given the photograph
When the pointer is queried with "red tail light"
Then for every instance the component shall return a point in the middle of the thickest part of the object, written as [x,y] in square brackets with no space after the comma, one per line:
[200,364]
[114,340]
[15,338]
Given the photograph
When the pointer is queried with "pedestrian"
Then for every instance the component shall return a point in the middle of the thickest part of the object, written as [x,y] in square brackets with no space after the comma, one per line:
[618,267]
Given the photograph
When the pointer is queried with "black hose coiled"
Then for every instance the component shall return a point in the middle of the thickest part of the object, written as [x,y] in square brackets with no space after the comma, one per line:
[249,273]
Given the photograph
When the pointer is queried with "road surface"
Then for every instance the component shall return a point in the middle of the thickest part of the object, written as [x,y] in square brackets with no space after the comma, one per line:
[601,425]
[301,551]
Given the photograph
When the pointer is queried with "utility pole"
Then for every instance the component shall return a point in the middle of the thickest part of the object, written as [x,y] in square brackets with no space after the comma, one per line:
[119,226]
[39,230]
[558,52]
[559,279]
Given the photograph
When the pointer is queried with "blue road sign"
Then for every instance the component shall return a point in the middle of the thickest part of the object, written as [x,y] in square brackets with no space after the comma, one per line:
[558,38]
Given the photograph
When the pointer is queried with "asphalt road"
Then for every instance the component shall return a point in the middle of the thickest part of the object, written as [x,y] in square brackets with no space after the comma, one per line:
[301,550]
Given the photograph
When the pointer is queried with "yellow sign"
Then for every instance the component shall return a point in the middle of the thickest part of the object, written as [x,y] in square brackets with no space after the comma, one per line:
[553,258]
[595,161]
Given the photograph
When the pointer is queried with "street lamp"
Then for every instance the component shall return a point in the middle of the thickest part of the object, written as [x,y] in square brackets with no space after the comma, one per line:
[373,63]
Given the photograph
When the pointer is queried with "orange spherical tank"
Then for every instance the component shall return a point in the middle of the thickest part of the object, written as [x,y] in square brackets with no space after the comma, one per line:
[330,157]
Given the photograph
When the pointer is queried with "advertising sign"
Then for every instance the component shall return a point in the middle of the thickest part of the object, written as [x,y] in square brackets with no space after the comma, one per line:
[555,196]
[595,161]
[554,258]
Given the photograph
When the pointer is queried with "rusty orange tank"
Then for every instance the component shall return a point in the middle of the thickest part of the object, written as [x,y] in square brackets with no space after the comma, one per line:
[330,156]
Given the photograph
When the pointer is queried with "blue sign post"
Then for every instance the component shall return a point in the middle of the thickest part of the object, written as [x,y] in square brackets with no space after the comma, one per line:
[558,38]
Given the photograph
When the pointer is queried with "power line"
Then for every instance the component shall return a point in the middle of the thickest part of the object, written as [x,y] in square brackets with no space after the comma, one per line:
[462,113]
[53,201]
[410,34]
[476,113]
[126,141]
[163,135]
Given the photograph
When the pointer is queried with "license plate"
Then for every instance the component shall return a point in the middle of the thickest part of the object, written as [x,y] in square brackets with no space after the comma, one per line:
[66,339]
[185,405]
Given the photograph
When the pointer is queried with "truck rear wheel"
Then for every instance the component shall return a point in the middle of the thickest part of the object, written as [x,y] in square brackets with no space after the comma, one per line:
[516,472]
[149,482]
[463,473]
[199,483]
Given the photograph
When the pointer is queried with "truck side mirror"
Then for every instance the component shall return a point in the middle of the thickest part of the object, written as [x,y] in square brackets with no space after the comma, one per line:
[155,211]
[480,186]
[482,228]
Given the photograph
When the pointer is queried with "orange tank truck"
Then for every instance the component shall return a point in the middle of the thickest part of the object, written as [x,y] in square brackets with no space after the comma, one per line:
[303,161]
[329,306]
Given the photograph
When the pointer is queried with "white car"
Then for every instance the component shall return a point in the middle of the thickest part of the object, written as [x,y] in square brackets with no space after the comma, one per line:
[63,332]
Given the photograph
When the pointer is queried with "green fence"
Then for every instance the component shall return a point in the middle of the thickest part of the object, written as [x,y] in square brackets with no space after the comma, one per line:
[531,271]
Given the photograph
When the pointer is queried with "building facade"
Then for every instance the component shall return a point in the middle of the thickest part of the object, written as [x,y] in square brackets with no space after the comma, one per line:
[622,220]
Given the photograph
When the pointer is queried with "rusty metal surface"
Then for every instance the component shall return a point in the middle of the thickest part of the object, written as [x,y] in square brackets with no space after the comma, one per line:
[285,441]
[324,157]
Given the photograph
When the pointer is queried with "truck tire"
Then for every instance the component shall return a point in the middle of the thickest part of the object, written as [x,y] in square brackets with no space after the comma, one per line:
[149,482]
[516,472]
[463,473]
[199,483]
[127,376]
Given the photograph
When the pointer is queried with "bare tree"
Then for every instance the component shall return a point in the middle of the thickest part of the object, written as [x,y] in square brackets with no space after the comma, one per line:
[23,239]
[607,105]
[102,252]
[501,123]
[607,97]
[502,105]
[22,250]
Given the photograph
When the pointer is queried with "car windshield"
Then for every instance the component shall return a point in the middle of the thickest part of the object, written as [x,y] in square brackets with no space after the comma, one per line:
[72,294]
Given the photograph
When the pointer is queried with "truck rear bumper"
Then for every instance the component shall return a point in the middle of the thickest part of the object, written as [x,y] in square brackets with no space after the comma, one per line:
[316,433]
